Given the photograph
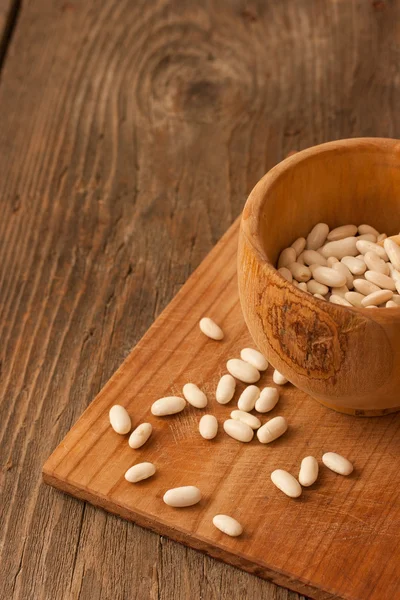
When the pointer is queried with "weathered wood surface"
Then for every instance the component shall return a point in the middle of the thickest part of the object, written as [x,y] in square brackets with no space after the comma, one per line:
[130,135]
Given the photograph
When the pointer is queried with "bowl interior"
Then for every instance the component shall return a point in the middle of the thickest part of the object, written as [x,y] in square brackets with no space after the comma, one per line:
[349,181]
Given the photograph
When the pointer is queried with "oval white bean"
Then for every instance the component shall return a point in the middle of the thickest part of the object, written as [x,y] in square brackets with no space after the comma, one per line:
[354,298]
[170,405]
[278,378]
[381,280]
[393,252]
[331,260]
[339,300]
[139,472]
[340,291]
[286,483]
[377,298]
[341,268]
[194,395]
[268,400]
[247,418]
[248,398]
[211,329]
[299,272]
[225,389]
[255,358]
[363,246]
[303,287]
[362,229]
[286,274]
[355,266]
[337,463]
[208,427]
[287,256]
[328,276]
[312,257]
[394,274]
[339,233]
[238,430]
[308,471]
[299,245]
[272,430]
[368,236]
[119,419]
[181,497]
[300,259]
[317,236]
[243,370]
[140,435]
[314,287]
[365,287]
[341,248]
[391,304]
[228,525]
[374,263]
[395,299]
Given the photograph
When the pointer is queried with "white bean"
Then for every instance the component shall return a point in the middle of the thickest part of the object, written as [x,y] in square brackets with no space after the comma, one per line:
[377,298]
[225,389]
[287,256]
[255,358]
[381,237]
[119,419]
[299,272]
[194,395]
[374,263]
[170,405]
[339,300]
[303,287]
[268,400]
[369,237]
[395,299]
[391,304]
[381,280]
[238,430]
[286,274]
[278,378]
[319,296]
[248,398]
[394,274]
[272,430]
[139,472]
[362,229]
[285,482]
[181,497]
[363,246]
[341,268]
[339,233]
[300,259]
[211,329]
[337,463]
[365,287]
[140,435]
[314,287]
[317,236]
[243,370]
[228,525]
[328,276]
[331,260]
[354,298]
[355,266]
[308,471]
[299,245]
[247,418]
[393,252]
[341,248]
[312,257]
[340,291]
[208,427]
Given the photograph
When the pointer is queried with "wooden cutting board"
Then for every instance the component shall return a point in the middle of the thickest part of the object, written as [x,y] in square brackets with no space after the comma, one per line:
[341,539]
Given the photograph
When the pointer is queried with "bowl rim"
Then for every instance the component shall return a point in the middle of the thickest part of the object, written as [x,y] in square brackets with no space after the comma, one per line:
[249,226]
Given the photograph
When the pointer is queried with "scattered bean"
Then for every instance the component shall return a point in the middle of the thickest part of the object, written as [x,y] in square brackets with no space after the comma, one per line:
[308,471]
[272,430]
[242,370]
[268,400]
[255,358]
[181,497]
[285,482]
[248,398]
[170,405]
[140,435]
[337,463]
[278,378]
[194,395]
[211,329]
[247,418]
[238,430]
[225,389]
[208,427]
[140,471]
[119,419]
[227,525]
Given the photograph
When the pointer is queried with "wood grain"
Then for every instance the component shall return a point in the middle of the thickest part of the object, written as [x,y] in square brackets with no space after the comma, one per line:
[311,541]
[8,14]
[328,351]
[130,136]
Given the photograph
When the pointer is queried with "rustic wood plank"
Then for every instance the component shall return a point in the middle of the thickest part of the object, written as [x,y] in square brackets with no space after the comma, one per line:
[130,135]
[306,545]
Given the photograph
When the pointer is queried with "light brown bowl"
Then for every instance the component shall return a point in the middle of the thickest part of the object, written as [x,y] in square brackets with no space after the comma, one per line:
[347,358]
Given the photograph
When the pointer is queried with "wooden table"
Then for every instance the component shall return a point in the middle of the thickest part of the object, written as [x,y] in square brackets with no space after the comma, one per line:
[130,136]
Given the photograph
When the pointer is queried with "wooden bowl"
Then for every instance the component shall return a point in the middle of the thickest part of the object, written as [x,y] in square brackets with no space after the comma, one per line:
[346,358]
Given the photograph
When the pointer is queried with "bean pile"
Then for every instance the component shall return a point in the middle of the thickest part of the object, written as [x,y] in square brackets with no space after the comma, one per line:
[346,265]
[241,426]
